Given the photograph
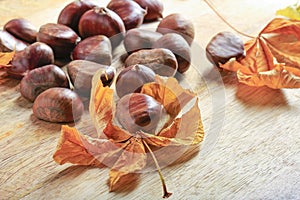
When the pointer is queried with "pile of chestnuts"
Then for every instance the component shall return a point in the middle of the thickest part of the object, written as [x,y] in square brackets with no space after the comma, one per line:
[84,40]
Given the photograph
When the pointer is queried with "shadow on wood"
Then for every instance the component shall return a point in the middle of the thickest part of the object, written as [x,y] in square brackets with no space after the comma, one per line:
[260,96]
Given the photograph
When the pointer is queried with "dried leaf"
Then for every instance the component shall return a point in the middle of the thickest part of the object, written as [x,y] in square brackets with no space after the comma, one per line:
[273,58]
[169,93]
[101,106]
[132,160]
[5,59]
[292,12]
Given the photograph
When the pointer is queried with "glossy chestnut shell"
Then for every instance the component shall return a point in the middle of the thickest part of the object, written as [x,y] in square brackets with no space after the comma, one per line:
[21,29]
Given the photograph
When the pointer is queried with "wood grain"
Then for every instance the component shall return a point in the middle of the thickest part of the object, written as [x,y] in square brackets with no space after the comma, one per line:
[252,145]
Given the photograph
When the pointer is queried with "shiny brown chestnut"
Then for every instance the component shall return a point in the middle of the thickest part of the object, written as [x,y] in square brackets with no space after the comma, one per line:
[40,79]
[177,23]
[102,21]
[224,46]
[177,44]
[161,61]
[21,29]
[35,55]
[71,13]
[96,48]
[136,39]
[136,112]
[132,78]
[62,39]
[154,9]
[81,73]
[130,12]
[9,43]
[58,105]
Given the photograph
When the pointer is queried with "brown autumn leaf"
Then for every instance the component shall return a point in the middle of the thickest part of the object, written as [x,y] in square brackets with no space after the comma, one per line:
[5,59]
[272,58]
[124,152]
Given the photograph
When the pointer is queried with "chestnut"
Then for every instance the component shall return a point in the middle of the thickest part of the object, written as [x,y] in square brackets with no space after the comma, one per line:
[161,61]
[177,44]
[102,21]
[132,78]
[136,112]
[177,23]
[62,39]
[154,9]
[136,39]
[9,43]
[130,12]
[22,29]
[58,105]
[71,13]
[96,48]
[224,46]
[35,55]
[81,73]
[40,79]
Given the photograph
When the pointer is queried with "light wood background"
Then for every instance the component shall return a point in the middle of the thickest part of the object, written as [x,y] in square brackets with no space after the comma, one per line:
[252,148]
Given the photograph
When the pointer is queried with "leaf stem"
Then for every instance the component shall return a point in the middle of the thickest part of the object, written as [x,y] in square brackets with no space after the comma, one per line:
[166,193]
[225,21]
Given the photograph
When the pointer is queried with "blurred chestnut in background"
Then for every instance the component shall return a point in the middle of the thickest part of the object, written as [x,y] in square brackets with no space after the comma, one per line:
[71,13]
[154,9]
[21,29]
[130,12]
[177,23]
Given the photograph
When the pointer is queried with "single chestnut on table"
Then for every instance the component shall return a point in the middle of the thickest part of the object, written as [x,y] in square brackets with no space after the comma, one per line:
[95,48]
[81,73]
[71,13]
[58,105]
[138,111]
[9,43]
[102,21]
[137,38]
[224,46]
[154,9]
[35,55]
[177,44]
[162,61]
[130,12]
[21,29]
[62,39]
[132,78]
[40,79]
[177,23]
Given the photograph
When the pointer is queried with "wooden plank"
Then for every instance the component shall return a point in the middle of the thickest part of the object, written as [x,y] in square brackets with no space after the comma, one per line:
[254,155]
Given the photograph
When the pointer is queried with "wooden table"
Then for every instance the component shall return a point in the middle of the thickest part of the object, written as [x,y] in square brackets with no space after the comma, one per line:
[252,145]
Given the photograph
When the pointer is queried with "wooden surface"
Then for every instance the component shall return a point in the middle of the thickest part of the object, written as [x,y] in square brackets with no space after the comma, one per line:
[252,145]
